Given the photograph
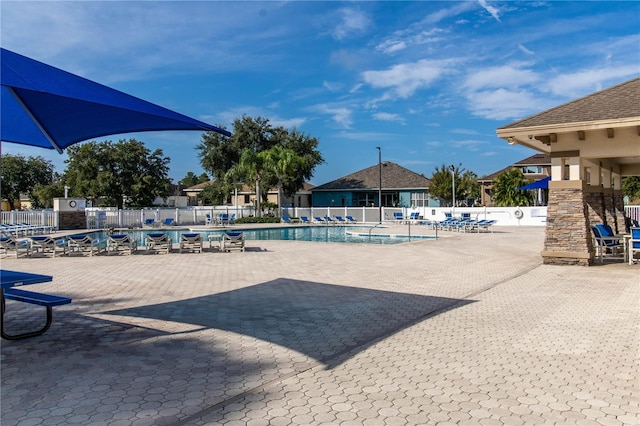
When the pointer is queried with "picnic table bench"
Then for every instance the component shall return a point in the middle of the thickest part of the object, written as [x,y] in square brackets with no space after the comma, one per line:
[10,279]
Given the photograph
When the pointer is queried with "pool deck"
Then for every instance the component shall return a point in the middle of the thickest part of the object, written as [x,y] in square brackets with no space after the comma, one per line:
[469,329]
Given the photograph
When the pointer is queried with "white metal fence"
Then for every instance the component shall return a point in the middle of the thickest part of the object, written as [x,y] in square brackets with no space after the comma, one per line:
[98,218]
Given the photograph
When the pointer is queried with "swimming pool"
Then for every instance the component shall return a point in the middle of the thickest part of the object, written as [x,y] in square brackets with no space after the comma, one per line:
[327,234]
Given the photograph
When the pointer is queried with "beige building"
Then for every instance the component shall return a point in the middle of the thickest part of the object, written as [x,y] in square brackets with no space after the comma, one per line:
[245,196]
[536,167]
[593,142]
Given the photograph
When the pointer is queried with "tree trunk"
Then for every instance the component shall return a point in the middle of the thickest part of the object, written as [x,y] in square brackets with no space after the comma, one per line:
[258,197]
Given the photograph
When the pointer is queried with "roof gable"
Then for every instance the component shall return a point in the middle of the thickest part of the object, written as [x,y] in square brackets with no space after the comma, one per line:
[393,177]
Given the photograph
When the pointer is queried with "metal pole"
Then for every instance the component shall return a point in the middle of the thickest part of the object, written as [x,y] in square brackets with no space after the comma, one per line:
[453,187]
[379,183]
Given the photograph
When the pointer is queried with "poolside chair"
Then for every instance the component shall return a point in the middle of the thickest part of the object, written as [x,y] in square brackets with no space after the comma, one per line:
[168,221]
[45,244]
[329,220]
[232,241]
[149,222]
[232,219]
[634,244]
[158,243]
[398,217]
[117,243]
[350,219]
[208,219]
[304,219]
[10,244]
[191,243]
[341,220]
[606,240]
[286,219]
[85,244]
[485,225]
[318,219]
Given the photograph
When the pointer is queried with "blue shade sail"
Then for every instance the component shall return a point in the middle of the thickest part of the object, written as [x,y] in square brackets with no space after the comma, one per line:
[539,184]
[50,108]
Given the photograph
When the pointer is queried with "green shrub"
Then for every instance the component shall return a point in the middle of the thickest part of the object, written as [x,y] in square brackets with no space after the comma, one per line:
[258,220]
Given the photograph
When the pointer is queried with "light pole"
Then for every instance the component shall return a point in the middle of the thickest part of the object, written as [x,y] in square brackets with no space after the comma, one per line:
[453,186]
[379,183]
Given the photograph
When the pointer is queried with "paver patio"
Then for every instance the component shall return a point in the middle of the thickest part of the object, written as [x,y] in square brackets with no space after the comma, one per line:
[469,329]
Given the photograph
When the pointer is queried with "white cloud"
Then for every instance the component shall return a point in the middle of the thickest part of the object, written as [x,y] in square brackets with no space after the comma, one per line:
[504,104]
[386,116]
[341,115]
[403,39]
[584,82]
[503,76]
[492,10]
[455,10]
[525,50]
[352,21]
[405,79]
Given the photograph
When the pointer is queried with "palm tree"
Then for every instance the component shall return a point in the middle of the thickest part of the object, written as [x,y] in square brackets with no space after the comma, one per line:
[505,189]
[282,162]
[249,169]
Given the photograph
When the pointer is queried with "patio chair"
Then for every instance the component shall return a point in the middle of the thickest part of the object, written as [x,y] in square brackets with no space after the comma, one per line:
[318,219]
[341,220]
[149,222]
[117,243]
[398,217]
[634,244]
[168,221]
[286,219]
[232,241]
[606,240]
[305,219]
[10,244]
[85,244]
[329,220]
[351,219]
[191,242]
[158,243]
[45,244]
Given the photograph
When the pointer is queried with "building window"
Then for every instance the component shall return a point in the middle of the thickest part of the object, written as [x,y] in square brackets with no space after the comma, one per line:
[419,199]
[247,198]
[531,170]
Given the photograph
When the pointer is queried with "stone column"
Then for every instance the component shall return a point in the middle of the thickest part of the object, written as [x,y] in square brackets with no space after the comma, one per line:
[568,239]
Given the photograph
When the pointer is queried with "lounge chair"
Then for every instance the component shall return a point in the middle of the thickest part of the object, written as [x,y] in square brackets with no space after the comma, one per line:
[149,222]
[158,243]
[10,244]
[232,241]
[485,225]
[286,219]
[318,219]
[340,219]
[168,221]
[45,244]
[85,244]
[634,244]
[191,242]
[605,240]
[350,219]
[121,243]
[329,220]
[304,219]
[398,217]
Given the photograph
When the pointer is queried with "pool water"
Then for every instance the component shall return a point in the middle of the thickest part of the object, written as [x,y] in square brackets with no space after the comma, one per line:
[328,234]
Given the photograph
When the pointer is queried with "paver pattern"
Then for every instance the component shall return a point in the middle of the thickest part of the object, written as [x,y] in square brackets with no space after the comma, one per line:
[470,329]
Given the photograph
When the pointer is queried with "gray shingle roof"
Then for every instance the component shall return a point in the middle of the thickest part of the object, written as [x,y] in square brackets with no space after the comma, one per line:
[621,101]
[393,177]
[534,160]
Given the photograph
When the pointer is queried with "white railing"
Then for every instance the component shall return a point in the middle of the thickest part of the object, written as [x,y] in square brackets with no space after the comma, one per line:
[100,218]
[632,212]
[505,216]
[47,218]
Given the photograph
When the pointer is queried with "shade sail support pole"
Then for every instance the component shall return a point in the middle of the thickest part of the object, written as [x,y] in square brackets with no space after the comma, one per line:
[35,120]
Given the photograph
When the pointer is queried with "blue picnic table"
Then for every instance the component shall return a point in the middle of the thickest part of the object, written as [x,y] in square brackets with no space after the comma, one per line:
[9,280]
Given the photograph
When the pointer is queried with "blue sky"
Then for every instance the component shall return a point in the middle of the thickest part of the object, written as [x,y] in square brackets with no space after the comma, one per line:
[429,82]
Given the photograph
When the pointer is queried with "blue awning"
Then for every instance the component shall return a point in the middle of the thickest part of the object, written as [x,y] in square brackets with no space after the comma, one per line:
[50,108]
[539,184]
